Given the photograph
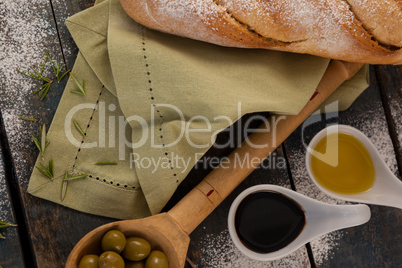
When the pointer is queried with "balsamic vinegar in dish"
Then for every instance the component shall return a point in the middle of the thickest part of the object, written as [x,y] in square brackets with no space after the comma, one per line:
[267,221]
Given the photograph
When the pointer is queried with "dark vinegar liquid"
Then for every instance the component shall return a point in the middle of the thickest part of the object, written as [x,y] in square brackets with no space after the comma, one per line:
[268,221]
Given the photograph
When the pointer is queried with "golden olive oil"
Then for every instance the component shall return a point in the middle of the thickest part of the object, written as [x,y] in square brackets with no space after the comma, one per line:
[344,165]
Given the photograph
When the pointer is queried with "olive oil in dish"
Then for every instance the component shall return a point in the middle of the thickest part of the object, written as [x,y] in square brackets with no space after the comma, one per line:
[353,171]
[267,221]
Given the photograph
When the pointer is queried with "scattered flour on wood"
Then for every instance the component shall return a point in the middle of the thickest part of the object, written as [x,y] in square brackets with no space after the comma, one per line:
[5,205]
[24,33]
[396,112]
[4,202]
[376,129]
[218,251]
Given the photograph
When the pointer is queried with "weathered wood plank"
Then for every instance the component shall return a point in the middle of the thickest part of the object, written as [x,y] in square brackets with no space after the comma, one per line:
[31,30]
[62,10]
[390,84]
[211,245]
[377,243]
[10,248]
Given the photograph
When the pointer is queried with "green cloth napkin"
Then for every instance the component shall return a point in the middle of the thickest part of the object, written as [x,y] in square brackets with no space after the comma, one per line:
[176,95]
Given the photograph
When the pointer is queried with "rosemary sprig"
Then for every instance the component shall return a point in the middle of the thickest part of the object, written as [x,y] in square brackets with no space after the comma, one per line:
[3,225]
[78,127]
[38,75]
[43,90]
[64,186]
[81,87]
[78,177]
[42,142]
[44,60]
[100,163]
[66,179]
[48,171]
[57,68]
[26,118]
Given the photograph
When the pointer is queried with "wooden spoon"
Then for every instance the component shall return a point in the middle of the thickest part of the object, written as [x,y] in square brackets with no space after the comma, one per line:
[170,231]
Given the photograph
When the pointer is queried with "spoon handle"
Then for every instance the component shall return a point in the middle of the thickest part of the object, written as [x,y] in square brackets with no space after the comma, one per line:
[390,191]
[218,184]
[335,217]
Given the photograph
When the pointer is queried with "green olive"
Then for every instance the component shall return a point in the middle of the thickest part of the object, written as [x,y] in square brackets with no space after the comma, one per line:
[136,249]
[89,261]
[113,240]
[110,259]
[157,259]
[134,264]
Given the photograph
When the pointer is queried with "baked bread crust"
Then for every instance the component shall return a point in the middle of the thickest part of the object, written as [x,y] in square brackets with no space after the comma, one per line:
[366,31]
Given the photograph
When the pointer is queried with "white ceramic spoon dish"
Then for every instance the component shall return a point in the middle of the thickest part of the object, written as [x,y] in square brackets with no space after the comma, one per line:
[320,218]
[387,188]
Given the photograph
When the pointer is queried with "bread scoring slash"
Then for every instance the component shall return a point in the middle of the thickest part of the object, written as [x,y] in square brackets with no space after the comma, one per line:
[366,31]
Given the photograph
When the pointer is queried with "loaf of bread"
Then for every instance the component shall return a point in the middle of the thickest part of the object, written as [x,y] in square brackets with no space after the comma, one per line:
[366,31]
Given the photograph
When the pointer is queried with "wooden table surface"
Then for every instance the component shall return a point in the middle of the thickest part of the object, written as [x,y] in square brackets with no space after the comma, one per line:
[47,232]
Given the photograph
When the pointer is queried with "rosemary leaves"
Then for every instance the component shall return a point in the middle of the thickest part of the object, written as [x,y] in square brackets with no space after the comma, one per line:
[42,142]
[77,177]
[57,68]
[64,185]
[3,225]
[37,74]
[103,163]
[81,87]
[66,180]
[26,118]
[78,127]
[48,171]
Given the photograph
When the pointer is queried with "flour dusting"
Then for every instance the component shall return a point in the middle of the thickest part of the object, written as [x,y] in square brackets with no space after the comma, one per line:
[26,32]
[4,202]
[396,111]
[376,129]
[218,251]
[6,213]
